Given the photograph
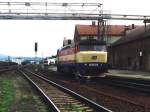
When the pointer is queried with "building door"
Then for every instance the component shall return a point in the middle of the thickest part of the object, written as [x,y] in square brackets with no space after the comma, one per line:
[140,66]
[149,62]
[129,61]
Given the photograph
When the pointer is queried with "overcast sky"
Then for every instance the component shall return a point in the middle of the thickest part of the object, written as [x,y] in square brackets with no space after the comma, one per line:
[17,37]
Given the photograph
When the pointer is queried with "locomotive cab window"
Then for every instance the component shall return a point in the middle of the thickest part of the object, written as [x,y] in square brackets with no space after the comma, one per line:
[92,47]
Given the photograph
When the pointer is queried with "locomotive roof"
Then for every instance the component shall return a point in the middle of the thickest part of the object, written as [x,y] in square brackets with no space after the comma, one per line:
[67,46]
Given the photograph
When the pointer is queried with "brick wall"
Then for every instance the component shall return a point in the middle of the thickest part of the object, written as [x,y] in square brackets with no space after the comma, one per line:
[127,55]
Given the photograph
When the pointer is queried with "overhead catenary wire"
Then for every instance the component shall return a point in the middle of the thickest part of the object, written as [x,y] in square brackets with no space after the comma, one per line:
[61,11]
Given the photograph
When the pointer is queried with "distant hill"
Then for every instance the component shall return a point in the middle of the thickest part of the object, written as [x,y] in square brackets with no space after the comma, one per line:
[3,57]
[29,58]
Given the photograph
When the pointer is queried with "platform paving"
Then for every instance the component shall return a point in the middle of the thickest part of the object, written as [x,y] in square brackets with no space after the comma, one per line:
[129,74]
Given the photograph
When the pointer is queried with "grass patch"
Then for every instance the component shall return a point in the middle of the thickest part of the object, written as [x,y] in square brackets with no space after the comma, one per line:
[6,95]
[33,103]
[39,104]
[74,107]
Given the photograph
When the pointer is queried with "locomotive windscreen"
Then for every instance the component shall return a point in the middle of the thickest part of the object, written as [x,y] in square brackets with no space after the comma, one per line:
[92,42]
[92,47]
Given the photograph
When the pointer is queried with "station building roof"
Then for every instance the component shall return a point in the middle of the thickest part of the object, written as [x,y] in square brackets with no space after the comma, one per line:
[113,30]
[134,34]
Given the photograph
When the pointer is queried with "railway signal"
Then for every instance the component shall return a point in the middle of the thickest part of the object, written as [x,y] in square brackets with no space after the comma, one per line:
[36,47]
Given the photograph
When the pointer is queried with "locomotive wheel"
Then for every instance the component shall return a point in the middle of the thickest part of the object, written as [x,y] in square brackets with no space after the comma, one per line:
[78,77]
[58,69]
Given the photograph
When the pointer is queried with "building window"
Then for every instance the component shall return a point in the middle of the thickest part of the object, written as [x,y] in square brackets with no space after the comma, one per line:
[129,61]
[88,37]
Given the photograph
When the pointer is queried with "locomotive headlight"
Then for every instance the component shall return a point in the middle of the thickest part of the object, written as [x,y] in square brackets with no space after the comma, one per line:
[85,64]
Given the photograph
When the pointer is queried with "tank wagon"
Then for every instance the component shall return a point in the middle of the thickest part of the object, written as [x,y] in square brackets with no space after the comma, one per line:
[85,58]
[7,64]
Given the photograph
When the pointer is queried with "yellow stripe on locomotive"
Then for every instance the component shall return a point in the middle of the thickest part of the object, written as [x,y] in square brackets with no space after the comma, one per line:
[91,56]
[70,57]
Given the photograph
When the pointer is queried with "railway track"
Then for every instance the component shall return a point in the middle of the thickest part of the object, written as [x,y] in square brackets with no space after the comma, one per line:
[93,89]
[8,68]
[62,99]
[135,84]
[139,85]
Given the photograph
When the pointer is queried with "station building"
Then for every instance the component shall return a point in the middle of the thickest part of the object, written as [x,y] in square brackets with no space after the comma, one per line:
[132,51]
[112,32]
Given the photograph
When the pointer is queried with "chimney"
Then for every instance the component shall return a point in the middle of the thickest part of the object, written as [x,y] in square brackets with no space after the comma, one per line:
[126,28]
[93,23]
[133,26]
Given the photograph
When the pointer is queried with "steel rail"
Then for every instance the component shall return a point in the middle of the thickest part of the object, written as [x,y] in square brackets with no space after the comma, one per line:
[129,84]
[8,68]
[46,98]
[133,85]
[122,99]
[92,104]
[4,70]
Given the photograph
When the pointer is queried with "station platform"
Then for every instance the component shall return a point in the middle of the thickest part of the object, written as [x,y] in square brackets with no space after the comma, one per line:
[53,68]
[129,74]
[121,73]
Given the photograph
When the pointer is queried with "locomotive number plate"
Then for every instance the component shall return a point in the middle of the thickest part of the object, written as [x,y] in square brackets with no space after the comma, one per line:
[93,64]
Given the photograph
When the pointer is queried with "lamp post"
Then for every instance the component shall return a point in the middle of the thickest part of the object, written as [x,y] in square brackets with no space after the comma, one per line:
[146,21]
